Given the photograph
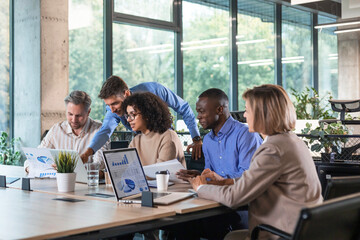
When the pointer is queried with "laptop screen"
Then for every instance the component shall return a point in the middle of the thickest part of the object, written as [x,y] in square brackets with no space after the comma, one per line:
[126,173]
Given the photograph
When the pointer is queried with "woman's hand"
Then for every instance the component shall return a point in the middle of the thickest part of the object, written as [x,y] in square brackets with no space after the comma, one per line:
[213,176]
[197,181]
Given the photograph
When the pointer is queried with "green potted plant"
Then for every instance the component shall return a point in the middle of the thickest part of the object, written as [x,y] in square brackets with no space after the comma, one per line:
[324,138]
[65,176]
[310,107]
[8,154]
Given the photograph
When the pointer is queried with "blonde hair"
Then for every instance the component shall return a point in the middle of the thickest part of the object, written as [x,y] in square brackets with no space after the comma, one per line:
[272,109]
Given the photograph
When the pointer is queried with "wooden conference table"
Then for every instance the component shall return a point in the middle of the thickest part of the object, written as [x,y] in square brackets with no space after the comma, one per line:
[43,213]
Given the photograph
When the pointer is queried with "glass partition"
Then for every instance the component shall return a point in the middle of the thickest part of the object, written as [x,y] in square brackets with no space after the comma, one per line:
[159,9]
[256,45]
[143,55]
[328,59]
[86,50]
[297,64]
[205,48]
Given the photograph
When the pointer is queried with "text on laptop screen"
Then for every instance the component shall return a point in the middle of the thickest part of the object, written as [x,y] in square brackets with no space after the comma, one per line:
[126,172]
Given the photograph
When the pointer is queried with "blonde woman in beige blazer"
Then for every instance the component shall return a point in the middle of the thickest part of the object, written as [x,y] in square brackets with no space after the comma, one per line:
[282,177]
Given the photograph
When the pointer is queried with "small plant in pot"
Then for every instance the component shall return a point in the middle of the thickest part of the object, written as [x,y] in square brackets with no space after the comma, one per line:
[65,176]
[324,137]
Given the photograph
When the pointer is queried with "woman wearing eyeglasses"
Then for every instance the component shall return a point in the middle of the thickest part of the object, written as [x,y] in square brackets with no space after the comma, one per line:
[150,116]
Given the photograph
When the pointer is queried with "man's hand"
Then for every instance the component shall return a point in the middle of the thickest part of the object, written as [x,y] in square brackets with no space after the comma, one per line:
[186,174]
[196,149]
[197,181]
[84,157]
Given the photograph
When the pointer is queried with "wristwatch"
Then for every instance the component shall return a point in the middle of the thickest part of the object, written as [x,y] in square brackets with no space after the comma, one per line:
[196,139]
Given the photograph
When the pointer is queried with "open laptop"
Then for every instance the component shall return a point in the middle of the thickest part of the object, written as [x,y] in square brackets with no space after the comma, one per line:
[128,178]
[43,158]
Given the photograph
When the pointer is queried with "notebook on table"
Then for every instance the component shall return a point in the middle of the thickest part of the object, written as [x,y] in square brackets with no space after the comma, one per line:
[129,181]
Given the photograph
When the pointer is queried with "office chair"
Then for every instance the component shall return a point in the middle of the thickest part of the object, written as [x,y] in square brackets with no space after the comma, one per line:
[342,186]
[328,170]
[119,144]
[334,219]
[239,115]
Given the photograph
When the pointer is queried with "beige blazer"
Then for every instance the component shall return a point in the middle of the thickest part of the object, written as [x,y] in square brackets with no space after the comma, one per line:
[280,181]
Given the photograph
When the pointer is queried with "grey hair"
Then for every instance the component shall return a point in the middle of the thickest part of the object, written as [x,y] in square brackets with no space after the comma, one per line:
[79,97]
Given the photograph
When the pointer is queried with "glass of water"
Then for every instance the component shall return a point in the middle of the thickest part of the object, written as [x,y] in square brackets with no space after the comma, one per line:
[92,172]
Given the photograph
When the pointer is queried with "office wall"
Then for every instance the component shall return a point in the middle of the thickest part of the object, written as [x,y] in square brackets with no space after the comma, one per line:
[349,65]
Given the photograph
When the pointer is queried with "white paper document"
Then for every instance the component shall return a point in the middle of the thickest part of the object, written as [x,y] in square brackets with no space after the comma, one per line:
[172,166]
[40,162]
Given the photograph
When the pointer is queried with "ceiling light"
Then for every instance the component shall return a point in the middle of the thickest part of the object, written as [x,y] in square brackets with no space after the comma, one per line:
[255,61]
[338,24]
[347,30]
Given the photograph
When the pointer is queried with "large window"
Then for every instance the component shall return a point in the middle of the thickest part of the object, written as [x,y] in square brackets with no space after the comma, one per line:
[256,45]
[86,50]
[296,59]
[159,9]
[143,55]
[205,48]
[328,59]
[4,66]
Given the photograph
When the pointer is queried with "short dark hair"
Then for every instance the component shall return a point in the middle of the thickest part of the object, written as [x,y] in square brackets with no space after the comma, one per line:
[114,85]
[77,98]
[154,111]
[216,94]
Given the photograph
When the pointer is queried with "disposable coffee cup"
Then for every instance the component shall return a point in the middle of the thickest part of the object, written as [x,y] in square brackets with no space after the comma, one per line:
[162,180]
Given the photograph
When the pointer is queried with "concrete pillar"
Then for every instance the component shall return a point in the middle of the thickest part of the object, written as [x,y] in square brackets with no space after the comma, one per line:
[54,61]
[349,64]
[41,66]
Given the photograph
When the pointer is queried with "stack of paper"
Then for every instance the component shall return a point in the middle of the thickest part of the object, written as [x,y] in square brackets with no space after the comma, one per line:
[172,166]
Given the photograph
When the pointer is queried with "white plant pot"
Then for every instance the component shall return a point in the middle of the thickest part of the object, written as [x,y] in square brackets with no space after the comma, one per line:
[66,181]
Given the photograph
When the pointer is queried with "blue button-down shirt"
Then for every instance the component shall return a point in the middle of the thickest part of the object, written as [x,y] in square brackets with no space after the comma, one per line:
[180,106]
[230,151]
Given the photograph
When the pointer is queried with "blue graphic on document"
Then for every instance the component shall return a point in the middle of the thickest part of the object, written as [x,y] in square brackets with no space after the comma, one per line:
[43,159]
[126,185]
[124,161]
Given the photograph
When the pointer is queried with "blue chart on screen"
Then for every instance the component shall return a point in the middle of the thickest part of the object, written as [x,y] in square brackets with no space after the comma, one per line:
[127,185]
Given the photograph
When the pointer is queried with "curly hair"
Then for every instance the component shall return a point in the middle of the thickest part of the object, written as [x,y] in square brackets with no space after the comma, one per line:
[153,110]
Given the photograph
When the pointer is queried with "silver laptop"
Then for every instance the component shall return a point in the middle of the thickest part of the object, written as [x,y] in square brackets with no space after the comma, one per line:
[129,181]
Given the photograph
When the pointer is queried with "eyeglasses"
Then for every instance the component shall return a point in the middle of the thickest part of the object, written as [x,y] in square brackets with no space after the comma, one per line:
[132,116]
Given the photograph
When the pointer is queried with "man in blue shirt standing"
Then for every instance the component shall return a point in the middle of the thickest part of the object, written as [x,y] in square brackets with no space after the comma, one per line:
[115,90]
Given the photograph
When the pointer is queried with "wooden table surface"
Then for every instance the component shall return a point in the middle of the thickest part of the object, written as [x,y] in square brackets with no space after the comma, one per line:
[185,206]
[36,215]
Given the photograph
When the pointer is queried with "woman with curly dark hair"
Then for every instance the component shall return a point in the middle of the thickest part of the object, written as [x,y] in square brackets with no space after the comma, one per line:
[150,116]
